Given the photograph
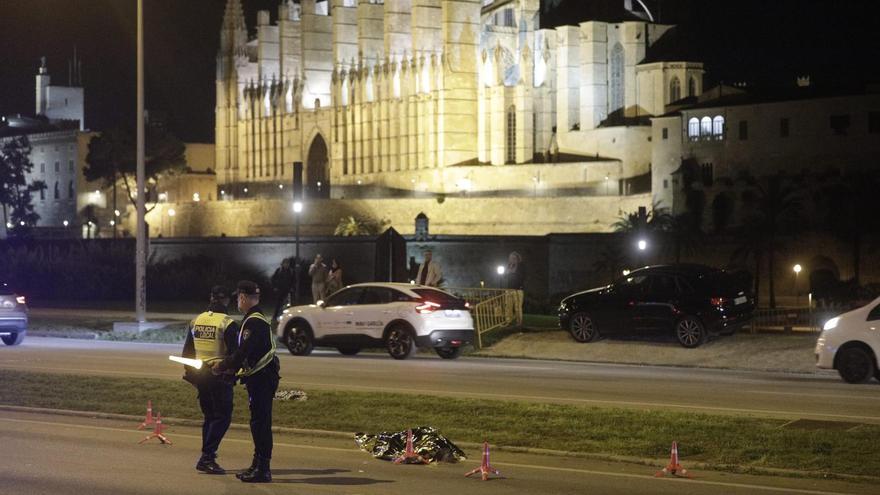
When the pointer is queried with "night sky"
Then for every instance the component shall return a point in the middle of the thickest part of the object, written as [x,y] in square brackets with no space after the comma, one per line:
[764,42]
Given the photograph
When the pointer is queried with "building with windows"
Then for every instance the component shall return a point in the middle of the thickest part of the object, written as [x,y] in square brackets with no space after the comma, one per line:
[431,98]
[728,132]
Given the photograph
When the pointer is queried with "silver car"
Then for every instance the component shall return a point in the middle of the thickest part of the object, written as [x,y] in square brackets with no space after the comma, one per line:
[13,316]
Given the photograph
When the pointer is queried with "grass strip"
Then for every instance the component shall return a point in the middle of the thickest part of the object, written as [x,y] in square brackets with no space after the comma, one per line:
[722,442]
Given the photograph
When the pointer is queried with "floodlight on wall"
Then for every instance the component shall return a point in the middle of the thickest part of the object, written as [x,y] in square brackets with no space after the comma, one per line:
[171,212]
[500,269]
[196,197]
[297,207]
[65,223]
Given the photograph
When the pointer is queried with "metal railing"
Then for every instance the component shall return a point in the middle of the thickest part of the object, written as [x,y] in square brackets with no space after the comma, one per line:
[491,309]
[804,319]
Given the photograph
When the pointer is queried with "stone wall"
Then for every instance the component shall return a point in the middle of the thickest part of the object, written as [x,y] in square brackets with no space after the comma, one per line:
[463,216]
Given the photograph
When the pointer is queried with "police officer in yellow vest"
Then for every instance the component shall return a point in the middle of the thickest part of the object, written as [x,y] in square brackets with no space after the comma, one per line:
[257,367]
[212,336]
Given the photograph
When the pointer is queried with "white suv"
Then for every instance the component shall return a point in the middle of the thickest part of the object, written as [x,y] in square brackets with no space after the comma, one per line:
[850,343]
[399,317]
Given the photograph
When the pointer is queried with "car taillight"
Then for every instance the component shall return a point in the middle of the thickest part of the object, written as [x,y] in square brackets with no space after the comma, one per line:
[20,300]
[427,307]
[716,301]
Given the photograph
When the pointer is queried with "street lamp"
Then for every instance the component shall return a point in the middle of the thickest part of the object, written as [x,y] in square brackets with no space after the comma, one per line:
[297,211]
[500,270]
[643,244]
[797,271]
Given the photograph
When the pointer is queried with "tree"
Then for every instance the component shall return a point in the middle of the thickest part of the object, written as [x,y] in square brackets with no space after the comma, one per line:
[773,205]
[113,156]
[683,235]
[15,192]
[611,261]
[650,225]
[351,226]
[847,204]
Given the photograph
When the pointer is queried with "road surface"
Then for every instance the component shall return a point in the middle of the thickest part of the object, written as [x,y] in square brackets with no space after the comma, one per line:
[52,455]
[767,394]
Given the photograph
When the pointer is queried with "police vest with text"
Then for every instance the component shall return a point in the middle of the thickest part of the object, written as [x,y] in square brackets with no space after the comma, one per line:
[208,330]
[267,358]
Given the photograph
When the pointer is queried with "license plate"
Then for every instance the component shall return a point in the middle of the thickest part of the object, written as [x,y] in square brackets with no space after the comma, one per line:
[452,313]
[740,300]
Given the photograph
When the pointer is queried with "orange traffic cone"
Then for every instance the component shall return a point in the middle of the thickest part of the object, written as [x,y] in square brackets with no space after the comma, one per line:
[157,432]
[149,419]
[409,455]
[485,468]
[674,467]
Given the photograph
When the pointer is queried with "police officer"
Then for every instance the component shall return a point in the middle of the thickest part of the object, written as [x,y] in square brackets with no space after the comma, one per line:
[257,366]
[212,336]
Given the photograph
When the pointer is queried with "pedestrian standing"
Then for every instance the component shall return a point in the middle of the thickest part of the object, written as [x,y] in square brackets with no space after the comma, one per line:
[429,271]
[318,272]
[282,282]
[258,369]
[334,278]
[515,272]
[211,337]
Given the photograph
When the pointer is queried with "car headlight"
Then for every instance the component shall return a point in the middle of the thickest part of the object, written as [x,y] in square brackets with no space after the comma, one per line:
[831,324]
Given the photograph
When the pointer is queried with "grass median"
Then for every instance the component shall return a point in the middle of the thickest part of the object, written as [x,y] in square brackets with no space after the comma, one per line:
[720,442]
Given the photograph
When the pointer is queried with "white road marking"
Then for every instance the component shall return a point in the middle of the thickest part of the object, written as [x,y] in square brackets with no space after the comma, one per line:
[592,472]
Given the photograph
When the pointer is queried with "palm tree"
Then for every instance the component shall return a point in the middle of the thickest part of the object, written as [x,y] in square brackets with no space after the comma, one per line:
[774,206]
[847,204]
[683,234]
[351,226]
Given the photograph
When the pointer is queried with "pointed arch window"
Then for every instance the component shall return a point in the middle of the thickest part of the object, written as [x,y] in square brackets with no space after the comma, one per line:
[674,89]
[70,189]
[57,194]
[616,96]
[692,86]
[345,90]
[511,134]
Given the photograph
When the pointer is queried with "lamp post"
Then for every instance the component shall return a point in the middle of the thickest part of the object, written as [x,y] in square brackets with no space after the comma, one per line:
[500,270]
[141,243]
[797,271]
[297,211]
[642,245]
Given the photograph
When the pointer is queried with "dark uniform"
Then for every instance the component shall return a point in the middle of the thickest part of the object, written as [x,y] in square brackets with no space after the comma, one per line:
[212,336]
[257,367]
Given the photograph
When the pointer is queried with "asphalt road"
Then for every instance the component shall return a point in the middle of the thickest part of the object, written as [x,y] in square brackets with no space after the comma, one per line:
[814,396]
[49,454]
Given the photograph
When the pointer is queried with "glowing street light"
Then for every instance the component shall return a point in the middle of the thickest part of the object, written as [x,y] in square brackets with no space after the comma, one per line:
[171,212]
[500,270]
[643,244]
[797,271]
[297,207]
[65,223]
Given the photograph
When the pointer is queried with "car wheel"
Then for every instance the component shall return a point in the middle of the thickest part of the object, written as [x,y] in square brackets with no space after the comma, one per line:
[448,352]
[583,328]
[400,342]
[13,339]
[855,365]
[690,332]
[299,339]
[348,350]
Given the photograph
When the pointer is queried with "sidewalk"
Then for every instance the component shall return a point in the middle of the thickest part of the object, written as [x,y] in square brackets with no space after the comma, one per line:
[758,352]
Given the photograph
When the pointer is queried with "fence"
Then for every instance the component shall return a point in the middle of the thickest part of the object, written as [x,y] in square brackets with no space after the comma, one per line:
[492,309]
[790,319]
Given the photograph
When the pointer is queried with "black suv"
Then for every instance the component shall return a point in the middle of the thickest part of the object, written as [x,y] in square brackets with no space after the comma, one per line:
[689,301]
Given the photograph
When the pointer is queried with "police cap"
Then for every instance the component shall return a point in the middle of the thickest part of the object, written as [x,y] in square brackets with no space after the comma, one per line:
[248,288]
[220,292]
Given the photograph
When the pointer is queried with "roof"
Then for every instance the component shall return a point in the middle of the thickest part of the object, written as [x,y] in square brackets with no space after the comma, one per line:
[18,125]
[726,96]
[556,13]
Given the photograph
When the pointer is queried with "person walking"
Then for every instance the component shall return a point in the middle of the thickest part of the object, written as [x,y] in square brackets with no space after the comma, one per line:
[282,282]
[211,337]
[318,272]
[334,278]
[255,364]
[429,271]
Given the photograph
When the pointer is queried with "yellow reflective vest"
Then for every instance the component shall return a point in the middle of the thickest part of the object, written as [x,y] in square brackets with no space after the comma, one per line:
[267,358]
[207,331]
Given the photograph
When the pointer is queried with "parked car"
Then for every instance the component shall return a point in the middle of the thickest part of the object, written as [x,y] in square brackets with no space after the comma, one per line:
[13,316]
[850,343]
[398,317]
[691,302]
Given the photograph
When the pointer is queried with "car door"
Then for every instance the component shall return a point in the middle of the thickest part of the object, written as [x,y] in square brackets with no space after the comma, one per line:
[374,312]
[339,311]
[654,304]
[617,305]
